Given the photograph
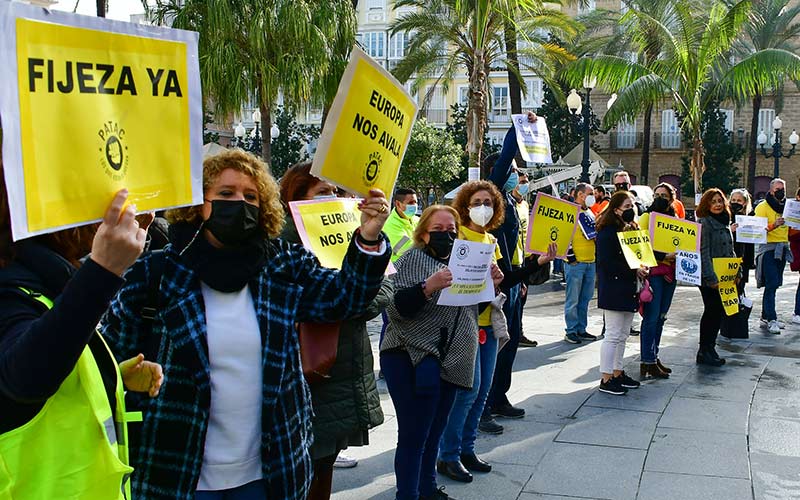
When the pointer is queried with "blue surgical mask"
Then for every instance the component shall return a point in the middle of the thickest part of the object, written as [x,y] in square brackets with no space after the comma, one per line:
[410,211]
[522,189]
[512,182]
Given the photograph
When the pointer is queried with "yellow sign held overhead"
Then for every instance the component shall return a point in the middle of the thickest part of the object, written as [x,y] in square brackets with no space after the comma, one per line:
[727,269]
[553,220]
[637,249]
[367,129]
[670,234]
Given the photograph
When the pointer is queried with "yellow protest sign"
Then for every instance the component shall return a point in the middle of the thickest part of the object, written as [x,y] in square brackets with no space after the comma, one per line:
[670,234]
[367,129]
[726,270]
[637,249]
[553,220]
[91,106]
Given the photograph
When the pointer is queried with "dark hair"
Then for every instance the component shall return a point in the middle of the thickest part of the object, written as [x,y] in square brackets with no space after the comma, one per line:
[600,188]
[296,182]
[402,193]
[704,207]
[468,189]
[581,187]
[669,187]
[610,218]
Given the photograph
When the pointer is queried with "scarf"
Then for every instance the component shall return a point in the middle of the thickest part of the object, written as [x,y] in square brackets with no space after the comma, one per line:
[225,269]
[723,218]
[774,203]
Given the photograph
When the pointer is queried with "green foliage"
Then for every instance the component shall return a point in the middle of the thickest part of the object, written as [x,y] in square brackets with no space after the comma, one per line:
[457,128]
[432,158]
[565,131]
[721,154]
[290,145]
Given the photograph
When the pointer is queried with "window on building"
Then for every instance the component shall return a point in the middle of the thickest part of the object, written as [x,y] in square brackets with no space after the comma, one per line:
[463,96]
[496,137]
[374,43]
[376,4]
[626,135]
[765,118]
[728,119]
[398,44]
[437,105]
[533,100]
[499,112]
[670,132]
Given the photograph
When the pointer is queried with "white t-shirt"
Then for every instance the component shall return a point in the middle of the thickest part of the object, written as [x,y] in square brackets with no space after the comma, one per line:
[232,455]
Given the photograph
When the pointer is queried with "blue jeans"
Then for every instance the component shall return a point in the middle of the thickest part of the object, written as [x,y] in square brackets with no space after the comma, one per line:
[558,266]
[249,491]
[773,279]
[580,279]
[421,418]
[655,314]
[505,358]
[462,426]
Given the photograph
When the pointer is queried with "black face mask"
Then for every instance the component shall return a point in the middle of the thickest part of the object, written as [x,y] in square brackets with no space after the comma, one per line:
[628,215]
[233,222]
[780,194]
[441,243]
[622,186]
[737,208]
[660,205]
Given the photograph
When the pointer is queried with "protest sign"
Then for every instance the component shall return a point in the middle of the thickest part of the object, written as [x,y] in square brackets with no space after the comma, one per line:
[688,267]
[367,129]
[791,214]
[470,263]
[636,248]
[553,220]
[726,270]
[751,229]
[671,233]
[587,224]
[91,106]
[533,139]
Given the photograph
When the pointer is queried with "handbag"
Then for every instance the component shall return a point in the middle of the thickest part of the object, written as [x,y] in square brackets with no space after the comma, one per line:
[644,292]
[319,344]
[737,326]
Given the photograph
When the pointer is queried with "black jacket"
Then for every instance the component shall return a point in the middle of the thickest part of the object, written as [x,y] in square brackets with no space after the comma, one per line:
[616,281]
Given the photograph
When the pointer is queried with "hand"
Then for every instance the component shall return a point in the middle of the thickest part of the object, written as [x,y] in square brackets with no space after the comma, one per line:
[734,227]
[374,212]
[642,272]
[120,239]
[550,256]
[139,375]
[532,117]
[779,222]
[497,275]
[438,281]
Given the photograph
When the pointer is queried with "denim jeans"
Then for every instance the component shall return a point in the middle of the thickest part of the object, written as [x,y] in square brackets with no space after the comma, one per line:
[249,491]
[580,279]
[505,358]
[462,425]
[421,418]
[558,266]
[655,314]
[773,278]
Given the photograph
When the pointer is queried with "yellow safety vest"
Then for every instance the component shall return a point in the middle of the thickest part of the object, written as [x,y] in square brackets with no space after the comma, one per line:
[73,448]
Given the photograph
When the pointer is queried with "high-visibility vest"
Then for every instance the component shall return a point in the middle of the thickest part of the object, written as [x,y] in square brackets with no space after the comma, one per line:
[74,448]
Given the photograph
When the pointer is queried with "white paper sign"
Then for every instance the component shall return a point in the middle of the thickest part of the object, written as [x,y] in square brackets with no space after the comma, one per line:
[688,268]
[791,214]
[533,139]
[470,263]
[751,229]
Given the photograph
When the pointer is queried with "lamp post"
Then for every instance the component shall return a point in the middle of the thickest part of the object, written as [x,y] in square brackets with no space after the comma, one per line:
[256,146]
[576,108]
[777,145]
[238,135]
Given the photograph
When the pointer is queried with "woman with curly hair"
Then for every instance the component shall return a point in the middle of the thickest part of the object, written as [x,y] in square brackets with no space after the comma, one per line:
[234,416]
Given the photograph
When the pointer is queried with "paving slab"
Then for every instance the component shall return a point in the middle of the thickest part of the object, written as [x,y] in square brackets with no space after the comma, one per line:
[702,453]
[775,477]
[660,485]
[704,414]
[776,403]
[539,496]
[524,442]
[610,427]
[505,481]
[775,436]
[653,396]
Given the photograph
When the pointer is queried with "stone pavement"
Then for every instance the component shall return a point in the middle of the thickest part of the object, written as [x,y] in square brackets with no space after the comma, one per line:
[731,433]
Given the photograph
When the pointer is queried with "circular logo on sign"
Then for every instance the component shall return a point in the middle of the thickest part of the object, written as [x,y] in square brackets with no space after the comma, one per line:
[113,150]
[689,266]
[462,252]
[372,169]
[639,254]
[676,241]
[553,233]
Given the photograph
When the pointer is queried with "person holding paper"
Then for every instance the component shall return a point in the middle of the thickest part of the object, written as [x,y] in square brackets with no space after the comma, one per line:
[662,283]
[580,272]
[772,256]
[234,416]
[616,292]
[428,352]
[716,240]
[741,204]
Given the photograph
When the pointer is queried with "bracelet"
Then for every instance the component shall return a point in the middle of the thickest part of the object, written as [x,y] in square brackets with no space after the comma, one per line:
[371,243]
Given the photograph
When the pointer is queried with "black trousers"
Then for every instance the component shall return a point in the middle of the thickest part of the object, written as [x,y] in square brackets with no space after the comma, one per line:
[712,317]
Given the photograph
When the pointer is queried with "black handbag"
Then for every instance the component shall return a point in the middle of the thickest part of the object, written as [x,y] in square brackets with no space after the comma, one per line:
[736,326]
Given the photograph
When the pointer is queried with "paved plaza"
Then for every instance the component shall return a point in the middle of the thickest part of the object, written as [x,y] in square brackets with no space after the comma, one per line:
[731,433]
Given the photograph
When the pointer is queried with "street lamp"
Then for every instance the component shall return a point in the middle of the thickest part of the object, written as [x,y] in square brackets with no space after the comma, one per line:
[777,145]
[274,131]
[238,135]
[256,146]
[576,108]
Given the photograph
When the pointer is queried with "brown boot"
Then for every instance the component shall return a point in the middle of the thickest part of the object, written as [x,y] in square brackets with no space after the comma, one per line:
[662,367]
[652,370]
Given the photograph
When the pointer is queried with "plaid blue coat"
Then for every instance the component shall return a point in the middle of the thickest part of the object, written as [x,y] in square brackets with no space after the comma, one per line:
[167,447]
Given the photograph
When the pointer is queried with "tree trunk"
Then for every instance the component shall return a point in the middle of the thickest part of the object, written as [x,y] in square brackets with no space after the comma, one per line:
[101,8]
[753,145]
[645,163]
[476,115]
[514,88]
[266,134]
[698,164]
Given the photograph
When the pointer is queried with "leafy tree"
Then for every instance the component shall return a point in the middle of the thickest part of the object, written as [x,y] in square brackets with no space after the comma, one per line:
[290,145]
[565,131]
[432,158]
[457,128]
[721,154]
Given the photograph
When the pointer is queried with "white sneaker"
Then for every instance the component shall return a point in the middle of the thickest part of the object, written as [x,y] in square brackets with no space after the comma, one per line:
[764,323]
[781,324]
[344,462]
[774,328]
[796,319]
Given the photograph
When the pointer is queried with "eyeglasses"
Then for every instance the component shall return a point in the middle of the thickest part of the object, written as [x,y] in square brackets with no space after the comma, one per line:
[476,204]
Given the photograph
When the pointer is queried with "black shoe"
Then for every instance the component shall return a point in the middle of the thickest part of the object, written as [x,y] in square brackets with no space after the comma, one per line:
[439,494]
[490,426]
[587,336]
[475,464]
[613,386]
[572,338]
[634,332]
[705,357]
[526,342]
[713,353]
[454,470]
[627,382]
[508,411]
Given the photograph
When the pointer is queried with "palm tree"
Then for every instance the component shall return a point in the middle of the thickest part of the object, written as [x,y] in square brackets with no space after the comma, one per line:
[773,25]
[693,70]
[262,48]
[451,36]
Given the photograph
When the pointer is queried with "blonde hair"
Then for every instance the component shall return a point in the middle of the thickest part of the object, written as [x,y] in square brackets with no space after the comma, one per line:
[425,219]
[271,213]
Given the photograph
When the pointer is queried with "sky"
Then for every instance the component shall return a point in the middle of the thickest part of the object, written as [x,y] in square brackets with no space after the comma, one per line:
[120,10]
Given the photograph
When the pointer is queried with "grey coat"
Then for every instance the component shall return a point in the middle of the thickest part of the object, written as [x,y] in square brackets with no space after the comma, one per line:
[716,240]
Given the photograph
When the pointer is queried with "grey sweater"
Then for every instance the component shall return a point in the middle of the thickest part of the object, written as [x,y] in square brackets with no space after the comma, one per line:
[716,240]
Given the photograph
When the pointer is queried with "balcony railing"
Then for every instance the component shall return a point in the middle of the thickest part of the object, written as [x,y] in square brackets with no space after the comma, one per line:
[625,140]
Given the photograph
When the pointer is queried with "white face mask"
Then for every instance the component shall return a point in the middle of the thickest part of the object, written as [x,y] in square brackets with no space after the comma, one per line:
[481,215]
[590,201]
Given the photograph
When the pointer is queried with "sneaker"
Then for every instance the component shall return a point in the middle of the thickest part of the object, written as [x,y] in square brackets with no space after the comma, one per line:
[613,386]
[774,328]
[781,324]
[490,426]
[344,462]
[764,323]
[439,494]
[526,342]
[634,332]
[587,336]
[796,319]
[508,411]
[572,338]
[628,382]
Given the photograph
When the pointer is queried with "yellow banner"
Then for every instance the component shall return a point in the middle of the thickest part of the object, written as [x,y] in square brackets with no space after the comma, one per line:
[326,227]
[637,249]
[670,234]
[553,220]
[367,129]
[726,270]
[98,110]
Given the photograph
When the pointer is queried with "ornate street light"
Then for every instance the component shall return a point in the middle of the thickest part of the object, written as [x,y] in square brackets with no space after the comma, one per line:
[576,108]
[777,145]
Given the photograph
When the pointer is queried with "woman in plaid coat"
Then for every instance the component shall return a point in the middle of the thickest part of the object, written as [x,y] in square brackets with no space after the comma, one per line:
[234,414]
